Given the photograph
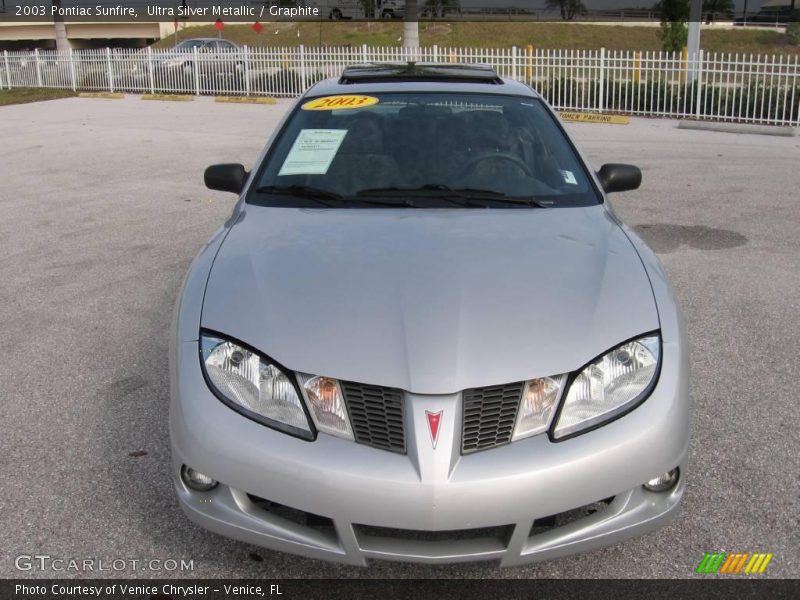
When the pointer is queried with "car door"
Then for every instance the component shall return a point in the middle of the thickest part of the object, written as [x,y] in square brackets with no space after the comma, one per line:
[207,58]
[228,57]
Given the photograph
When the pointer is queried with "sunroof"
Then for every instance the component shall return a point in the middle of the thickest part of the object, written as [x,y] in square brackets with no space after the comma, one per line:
[415,71]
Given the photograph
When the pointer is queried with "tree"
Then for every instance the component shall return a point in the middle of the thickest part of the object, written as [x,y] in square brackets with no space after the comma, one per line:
[411,25]
[793,28]
[440,8]
[368,6]
[714,8]
[62,44]
[674,15]
[569,9]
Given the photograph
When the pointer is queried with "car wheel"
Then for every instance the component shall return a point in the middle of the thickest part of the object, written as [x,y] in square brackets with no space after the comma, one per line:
[387,14]
[336,14]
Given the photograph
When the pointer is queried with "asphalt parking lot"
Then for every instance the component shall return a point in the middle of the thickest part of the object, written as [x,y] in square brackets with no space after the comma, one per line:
[103,208]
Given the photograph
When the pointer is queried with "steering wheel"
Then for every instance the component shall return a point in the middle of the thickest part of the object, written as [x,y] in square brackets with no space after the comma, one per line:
[494,156]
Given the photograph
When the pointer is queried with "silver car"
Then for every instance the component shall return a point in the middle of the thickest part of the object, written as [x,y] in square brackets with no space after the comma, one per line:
[423,335]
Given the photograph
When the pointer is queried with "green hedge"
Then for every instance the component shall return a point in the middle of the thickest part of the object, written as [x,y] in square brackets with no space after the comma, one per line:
[755,101]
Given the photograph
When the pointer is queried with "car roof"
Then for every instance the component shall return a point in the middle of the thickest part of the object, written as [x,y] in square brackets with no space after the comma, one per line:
[420,77]
[208,39]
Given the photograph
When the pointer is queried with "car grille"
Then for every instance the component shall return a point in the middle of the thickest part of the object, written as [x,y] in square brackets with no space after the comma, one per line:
[501,533]
[489,416]
[376,414]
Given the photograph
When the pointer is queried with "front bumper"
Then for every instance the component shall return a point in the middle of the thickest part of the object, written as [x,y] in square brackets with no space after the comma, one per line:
[337,500]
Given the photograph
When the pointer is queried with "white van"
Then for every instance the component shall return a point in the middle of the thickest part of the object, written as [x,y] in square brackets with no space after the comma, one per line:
[354,9]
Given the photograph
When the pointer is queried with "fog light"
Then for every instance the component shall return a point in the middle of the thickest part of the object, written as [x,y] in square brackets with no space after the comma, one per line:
[196,480]
[663,482]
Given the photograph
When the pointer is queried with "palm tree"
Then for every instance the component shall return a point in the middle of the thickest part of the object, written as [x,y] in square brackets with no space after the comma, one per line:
[411,25]
[61,31]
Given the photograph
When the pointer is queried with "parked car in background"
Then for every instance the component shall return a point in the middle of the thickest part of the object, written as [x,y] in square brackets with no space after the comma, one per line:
[392,9]
[341,9]
[358,9]
[204,57]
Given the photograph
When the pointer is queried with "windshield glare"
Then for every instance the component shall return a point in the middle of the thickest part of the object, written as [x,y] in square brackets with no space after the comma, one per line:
[424,142]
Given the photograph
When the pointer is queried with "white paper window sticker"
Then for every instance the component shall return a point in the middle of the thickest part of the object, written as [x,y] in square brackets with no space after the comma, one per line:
[313,152]
[569,177]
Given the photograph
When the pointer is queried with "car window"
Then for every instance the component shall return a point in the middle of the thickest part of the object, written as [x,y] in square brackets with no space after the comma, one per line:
[189,44]
[226,46]
[356,145]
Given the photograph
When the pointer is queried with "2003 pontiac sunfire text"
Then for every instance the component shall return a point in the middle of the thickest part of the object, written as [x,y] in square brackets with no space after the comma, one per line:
[119,10]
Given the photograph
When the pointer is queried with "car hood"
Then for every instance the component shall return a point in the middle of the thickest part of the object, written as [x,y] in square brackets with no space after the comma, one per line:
[430,301]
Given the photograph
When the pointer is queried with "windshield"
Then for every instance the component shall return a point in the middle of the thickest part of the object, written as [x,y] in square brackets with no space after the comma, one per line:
[189,44]
[422,149]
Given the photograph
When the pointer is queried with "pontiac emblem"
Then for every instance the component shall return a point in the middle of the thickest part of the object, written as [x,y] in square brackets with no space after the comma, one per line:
[434,422]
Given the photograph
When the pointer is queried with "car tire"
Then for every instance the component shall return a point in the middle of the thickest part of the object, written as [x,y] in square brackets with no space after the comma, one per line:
[335,15]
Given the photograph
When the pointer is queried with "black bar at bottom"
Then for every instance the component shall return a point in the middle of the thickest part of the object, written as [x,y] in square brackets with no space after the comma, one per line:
[387,589]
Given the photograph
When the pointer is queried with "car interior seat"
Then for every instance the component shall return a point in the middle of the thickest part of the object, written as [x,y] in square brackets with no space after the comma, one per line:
[362,161]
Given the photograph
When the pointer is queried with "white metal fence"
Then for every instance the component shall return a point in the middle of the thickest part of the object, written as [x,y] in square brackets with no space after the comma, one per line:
[724,86]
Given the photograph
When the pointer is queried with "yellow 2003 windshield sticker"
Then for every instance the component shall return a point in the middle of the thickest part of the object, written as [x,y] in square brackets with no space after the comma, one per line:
[340,102]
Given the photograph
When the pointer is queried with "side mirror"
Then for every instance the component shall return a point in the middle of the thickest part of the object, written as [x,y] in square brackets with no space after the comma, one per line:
[225,178]
[619,178]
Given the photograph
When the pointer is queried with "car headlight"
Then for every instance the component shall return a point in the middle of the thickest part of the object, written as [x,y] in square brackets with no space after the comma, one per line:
[610,385]
[253,386]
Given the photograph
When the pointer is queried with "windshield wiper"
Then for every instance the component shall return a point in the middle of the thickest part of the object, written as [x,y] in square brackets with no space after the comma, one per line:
[385,202]
[429,190]
[325,196]
[460,196]
[500,197]
[305,191]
